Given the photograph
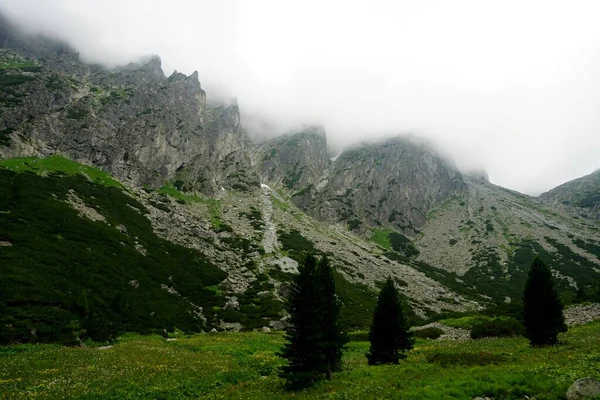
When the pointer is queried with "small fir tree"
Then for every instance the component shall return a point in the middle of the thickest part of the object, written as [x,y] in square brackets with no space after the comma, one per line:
[390,335]
[543,312]
[314,340]
[329,311]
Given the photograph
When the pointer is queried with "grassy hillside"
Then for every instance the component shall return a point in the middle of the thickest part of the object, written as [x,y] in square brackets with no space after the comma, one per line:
[65,275]
[244,366]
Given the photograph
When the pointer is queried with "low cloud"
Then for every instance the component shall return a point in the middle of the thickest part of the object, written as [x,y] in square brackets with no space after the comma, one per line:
[510,86]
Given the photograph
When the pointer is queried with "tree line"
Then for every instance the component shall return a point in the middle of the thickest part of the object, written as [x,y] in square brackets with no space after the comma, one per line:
[315,341]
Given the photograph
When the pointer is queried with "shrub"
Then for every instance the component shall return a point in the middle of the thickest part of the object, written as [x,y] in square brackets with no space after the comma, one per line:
[497,327]
[429,333]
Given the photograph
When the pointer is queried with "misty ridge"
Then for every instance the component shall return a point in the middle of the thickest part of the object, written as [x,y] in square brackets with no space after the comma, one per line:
[519,102]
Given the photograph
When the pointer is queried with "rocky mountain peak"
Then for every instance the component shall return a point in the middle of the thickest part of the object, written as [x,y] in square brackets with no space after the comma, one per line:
[392,183]
[294,160]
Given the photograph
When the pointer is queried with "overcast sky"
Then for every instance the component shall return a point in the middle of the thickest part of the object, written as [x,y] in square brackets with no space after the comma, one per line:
[513,86]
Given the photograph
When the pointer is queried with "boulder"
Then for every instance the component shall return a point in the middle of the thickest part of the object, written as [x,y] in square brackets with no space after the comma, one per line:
[584,388]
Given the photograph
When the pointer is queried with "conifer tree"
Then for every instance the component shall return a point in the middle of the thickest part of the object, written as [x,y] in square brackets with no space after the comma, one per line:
[329,311]
[543,312]
[390,335]
[314,340]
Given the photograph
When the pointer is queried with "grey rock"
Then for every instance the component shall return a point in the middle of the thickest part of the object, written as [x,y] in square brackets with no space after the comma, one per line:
[394,183]
[582,313]
[265,329]
[584,388]
[231,326]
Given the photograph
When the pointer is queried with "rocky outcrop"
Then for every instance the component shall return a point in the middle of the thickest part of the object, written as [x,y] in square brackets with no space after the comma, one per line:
[582,314]
[394,183]
[450,333]
[293,161]
[133,121]
[583,192]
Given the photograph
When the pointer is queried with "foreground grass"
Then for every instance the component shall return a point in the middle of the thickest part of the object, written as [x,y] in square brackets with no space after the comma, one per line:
[244,366]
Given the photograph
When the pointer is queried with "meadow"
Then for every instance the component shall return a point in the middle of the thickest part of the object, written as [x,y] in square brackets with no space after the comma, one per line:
[245,365]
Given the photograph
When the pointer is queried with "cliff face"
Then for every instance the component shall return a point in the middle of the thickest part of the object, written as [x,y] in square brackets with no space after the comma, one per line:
[392,184]
[133,121]
[293,161]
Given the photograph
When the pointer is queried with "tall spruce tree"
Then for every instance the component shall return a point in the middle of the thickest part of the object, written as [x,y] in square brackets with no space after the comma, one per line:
[313,340]
[543,312]
[390,335]
[333,339]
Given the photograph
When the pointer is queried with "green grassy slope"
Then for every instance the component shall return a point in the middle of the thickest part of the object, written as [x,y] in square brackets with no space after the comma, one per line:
[63,275]
[244,366]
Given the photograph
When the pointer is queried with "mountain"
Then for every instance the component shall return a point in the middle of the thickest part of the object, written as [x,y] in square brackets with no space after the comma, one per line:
[391,184]
[127,203]
[583,192]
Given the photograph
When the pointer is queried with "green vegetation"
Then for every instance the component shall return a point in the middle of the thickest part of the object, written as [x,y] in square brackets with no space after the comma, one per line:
[429,333]
[65,277]
[9,60]
[245,366]
[381,237]
[293,178]
[542,312]
[296,244]
[170,189]
[497,327]
[314,340]
[392,240]
[402,244]
[59,165]
[258,306]
[77,112]
[358,303]
[173,189]
[389,335]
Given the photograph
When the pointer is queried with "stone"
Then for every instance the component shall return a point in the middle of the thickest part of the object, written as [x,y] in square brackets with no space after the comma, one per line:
[213,330]
[265,329]
[584,388]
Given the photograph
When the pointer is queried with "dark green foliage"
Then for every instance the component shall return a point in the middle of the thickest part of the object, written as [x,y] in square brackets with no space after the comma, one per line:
[55,82]
[8,79]
[429,333]
[313,340]
[358,303]
[497,327]
[390,335]
[255,217]
[293,178]
[5,135]
[354,224]
[77,112]
[255,310]
[66,276]
[403,244]
[293,241]
[572,264]
[589,246]
[543,312]
[333,340]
